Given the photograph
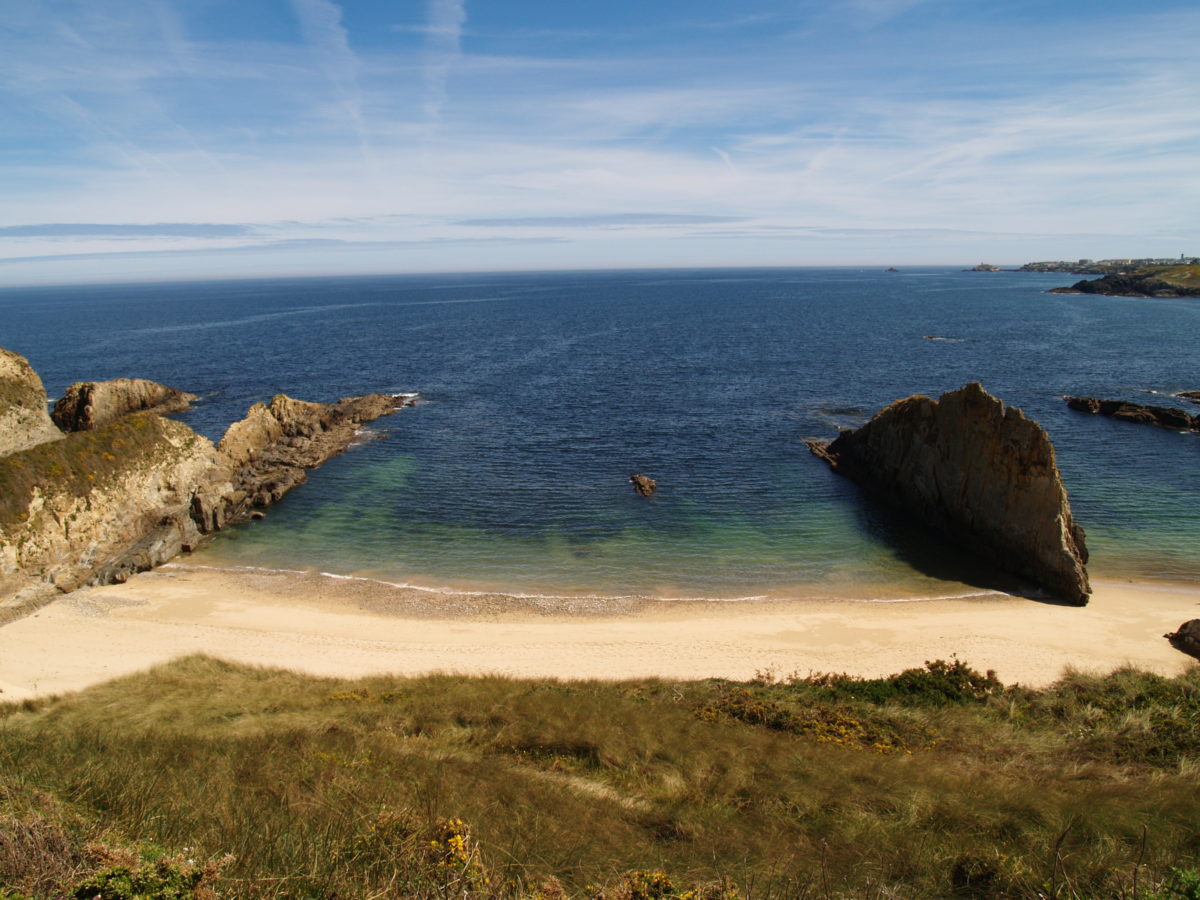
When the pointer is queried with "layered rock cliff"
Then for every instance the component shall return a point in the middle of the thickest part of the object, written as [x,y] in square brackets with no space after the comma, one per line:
[978,472]
[89,404]
[24,420]
[100,504]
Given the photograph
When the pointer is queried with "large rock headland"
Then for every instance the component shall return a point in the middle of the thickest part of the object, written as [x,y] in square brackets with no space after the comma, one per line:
[97,505]
[89,404]
[1151,281]
[979,473]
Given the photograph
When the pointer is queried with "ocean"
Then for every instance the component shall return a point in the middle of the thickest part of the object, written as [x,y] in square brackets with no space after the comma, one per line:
[542,392]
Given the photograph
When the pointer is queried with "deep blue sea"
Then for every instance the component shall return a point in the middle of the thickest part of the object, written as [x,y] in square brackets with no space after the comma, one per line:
[542,392]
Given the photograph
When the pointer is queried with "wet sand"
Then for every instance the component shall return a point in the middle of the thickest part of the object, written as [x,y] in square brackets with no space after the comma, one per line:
[346,627]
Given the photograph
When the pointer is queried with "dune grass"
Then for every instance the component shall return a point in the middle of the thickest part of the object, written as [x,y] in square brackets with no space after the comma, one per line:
[230,781]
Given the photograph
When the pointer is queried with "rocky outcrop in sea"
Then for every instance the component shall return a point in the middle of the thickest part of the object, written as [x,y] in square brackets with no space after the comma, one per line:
[1139,413]
[643,484]
[87,405]
[979,473]
[94,506]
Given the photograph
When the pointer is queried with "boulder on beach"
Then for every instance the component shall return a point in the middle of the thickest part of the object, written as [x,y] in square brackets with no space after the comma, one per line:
[1187,638]
[979,473]
[87,405]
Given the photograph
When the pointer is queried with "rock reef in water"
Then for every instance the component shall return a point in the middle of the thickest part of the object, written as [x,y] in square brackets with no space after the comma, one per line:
[270,451]
[24,419]
[98,505]
[1139,413]
[643,484]
[978,472]
[89,404]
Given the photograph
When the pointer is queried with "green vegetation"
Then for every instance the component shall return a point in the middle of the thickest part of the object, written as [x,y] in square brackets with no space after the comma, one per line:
[82,461]
[1179,276]
[204,779]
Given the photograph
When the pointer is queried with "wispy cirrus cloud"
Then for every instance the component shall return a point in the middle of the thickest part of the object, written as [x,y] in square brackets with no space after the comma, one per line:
[620,220]
[443,30]
[161,229]
[321,25]
[291,244]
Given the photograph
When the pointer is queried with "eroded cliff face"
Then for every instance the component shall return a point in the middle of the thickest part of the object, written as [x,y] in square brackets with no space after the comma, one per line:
[89,404]
[98,505]
[978,472]
[24,420]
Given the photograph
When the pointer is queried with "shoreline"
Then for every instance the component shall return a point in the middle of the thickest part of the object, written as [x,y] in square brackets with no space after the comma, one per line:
[343,627]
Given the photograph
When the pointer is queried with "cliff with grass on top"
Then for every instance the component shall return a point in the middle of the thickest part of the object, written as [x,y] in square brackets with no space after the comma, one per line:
[131,490]
[1149,281]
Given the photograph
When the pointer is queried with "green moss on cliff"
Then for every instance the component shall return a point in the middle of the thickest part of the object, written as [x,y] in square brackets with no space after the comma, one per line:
[83,461]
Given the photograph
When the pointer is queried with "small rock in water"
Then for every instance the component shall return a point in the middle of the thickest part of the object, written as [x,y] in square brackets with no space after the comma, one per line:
[643,485]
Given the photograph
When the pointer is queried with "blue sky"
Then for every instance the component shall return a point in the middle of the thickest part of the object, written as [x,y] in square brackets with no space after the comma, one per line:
[161,139]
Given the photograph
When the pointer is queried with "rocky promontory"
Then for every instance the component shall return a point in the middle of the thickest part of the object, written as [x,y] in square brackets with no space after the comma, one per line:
[89,404]
[270,450]
[977,472]
[1151,281]
[97,505]
[24,419]
[1139,413]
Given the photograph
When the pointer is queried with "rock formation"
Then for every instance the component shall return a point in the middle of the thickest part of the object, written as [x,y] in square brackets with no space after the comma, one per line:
[980,473]
[1142,283]
[89,404]
[100,504]
[1193,396]
[271,448]
[1187,638]
[643,484]
[1162,416]
[24,420]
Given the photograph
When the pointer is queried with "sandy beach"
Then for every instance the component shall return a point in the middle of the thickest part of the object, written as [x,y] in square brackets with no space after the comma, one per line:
[339,627]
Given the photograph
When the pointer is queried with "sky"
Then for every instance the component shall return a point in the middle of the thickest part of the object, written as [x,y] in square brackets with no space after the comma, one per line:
[180,139]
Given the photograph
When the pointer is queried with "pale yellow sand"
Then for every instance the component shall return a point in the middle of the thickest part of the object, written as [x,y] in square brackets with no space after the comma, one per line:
[349,628]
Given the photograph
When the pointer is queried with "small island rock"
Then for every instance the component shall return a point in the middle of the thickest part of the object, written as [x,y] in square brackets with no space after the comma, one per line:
[643,485]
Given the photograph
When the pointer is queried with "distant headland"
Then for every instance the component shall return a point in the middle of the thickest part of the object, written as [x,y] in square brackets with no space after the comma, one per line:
[1120,277]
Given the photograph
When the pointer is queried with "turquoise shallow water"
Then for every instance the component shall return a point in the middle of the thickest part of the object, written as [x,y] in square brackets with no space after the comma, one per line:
[542,392]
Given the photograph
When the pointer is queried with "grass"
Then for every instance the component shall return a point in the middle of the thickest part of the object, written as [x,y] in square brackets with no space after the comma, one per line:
[1180,276]
[230,781]
[83,461]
